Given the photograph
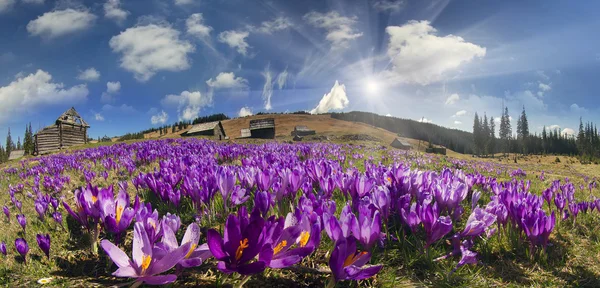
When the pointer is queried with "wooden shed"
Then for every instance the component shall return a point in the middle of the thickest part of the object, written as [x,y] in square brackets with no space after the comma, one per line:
[16,154]
[68,130]
[302,131]
[397,143]
[245,133]
[213,129]
[263,128]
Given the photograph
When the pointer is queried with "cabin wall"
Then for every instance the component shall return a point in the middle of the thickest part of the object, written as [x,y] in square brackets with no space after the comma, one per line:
[47,140]
[266,133]
[201,133]
[72,135]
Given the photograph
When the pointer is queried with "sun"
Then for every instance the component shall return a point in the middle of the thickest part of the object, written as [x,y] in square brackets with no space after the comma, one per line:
[372,86]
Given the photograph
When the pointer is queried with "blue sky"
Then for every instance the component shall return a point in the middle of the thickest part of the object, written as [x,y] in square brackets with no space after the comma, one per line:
[132,64]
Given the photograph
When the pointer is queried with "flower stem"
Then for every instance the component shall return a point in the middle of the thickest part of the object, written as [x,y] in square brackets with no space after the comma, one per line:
[243,281]
[331,283]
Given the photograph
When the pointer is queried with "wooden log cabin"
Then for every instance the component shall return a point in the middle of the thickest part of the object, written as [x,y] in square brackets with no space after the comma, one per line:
[68,130]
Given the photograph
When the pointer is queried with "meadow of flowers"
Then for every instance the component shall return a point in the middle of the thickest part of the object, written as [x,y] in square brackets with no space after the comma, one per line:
[175,211]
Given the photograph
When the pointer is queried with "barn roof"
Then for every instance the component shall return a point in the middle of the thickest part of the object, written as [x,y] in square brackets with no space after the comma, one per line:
[203,127]
[302,128]
[403,143]
[16,154]
[72,117]
[262,123]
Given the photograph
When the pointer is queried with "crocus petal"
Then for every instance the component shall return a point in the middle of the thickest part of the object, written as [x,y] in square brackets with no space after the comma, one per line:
[169,239]
[141,244]
[192,262]
[252,268]
[126,271]
[359,273]
[158,280]
[192,234]
[170,259]
[215,244]
[117,255]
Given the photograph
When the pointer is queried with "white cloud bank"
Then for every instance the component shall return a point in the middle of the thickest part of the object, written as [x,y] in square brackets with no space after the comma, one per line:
[160,118]
[245,111]
[90,74]
[196,27]
[227,80]
[188,103]
[112,89]
[419,56]
[146,50]
[340,29]
[452,99]
[26,93]
[336,99]
[236,40]
[112,10]
[61,22]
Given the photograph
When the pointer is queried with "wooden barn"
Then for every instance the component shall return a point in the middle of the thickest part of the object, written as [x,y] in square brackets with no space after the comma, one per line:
[262,128]
[212,129]
[68,130]
[16,154]
[302,131]
[245,133]
[397,143]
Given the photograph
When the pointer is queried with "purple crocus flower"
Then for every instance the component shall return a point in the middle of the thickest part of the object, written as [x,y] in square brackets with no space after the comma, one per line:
[474,199]
[173,221]
[225,181]
[241,243]
[3,248]
[57,217]
[363,186]
[435,226]
[6,212]
[22,248]
[239,195]
[478,222]
[116,214]
[145,266]
[195,255]
[44,243]
[301,234]
[22,220]
[547,194]
[41,207]
[560,201]
[347,263]
[368,230]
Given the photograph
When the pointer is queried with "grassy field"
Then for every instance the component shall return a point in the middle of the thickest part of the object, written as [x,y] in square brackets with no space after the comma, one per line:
[571,260]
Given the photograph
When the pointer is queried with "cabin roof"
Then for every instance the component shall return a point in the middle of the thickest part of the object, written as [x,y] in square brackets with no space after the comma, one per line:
[302,128]
[403,143]
[72,117]
[203,127]
[262,123]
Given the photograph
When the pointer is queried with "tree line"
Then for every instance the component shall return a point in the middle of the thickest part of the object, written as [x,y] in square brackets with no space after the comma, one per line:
[27,145]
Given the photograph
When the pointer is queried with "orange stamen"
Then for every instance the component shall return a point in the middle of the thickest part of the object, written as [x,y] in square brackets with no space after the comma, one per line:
[240,249]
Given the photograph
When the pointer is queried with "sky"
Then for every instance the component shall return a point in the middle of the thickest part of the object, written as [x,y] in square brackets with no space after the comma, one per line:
[128,65]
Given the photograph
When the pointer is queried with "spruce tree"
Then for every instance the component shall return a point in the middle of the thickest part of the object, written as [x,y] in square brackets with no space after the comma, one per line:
[476,134]
[492,143]
[9,143]
[524,131]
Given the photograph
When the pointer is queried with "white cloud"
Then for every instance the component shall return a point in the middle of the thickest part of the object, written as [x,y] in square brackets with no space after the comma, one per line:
[545,87]
[270,27]
[26,93]
[460,113]
[188,103]
[183,2]
[336,99]
[151,48]
[456,122]
[112,88]
[32,1]
[452,99]
[245,111]
[235,39]
[227,80]
[389,5]
[282,78]
[5,5]
[61,22]
[267,88]
[568,132]
[542,74]
[98,117]
[577,109]
[160,118]
[424,120]
[112,10]
[340,29]
[123,109]
[419,56]
[196,27]
[388,115]
[90,74]
[553,127]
